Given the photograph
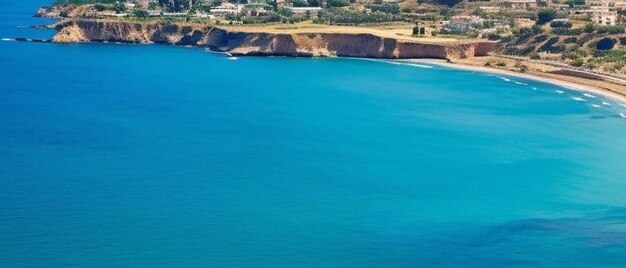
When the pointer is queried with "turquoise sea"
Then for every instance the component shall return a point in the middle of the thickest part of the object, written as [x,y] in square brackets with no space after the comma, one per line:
[156,156]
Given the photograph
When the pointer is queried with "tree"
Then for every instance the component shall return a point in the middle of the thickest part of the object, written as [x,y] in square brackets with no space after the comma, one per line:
[299,3]
[446,13]
[546,15]
[590,27]
[578,62]
[338,3]
[140,13]
[100,7]
[449,3]
[119,8]
[560,24]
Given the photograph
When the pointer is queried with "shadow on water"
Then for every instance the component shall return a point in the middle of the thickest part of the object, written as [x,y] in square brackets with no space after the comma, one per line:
[591,238]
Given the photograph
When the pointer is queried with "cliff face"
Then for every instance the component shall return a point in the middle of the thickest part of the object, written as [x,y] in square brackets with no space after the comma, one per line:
[258,43]
[65,11]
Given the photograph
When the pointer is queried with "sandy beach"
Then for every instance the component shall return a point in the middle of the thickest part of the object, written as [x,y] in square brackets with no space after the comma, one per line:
[604,88]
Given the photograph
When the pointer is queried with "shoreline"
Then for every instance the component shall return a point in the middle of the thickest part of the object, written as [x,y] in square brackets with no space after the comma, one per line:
[253,43]
[557,79]
[564,81]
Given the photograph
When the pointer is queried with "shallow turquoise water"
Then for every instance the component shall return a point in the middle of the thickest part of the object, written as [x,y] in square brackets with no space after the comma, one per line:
[119,155]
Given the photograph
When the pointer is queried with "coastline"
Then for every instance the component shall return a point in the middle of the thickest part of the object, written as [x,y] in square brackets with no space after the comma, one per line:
[329,42]
[249,41]
[617,93]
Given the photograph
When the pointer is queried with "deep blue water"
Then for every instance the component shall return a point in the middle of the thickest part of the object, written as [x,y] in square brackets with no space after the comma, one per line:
[156,156]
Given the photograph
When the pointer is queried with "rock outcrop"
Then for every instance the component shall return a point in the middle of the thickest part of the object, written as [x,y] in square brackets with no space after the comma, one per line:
[66,11]
[261,43]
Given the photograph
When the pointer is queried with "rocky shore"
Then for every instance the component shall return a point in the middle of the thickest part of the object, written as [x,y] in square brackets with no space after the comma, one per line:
[314,44]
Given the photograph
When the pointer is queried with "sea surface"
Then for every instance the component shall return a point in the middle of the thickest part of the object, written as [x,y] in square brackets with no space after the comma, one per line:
[157,156]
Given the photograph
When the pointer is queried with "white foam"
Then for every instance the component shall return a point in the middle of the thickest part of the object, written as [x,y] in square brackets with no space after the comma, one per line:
[606,103]
[623,105]
[520,83]
[578,99]
[595,105]
[589,95]
[534,88]
[504,78]
[560,91]
[622,115]
[419,65]
[232,58]
[400,63]
[383,61]
[8,39]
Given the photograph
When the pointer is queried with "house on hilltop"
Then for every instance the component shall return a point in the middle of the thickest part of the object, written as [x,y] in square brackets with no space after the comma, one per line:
[519,4]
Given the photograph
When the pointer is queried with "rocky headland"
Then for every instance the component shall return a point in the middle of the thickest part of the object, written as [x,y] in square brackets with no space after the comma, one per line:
[301,44]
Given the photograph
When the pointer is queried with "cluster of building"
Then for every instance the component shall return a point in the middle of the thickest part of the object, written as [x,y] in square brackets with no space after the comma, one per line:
[603,12]
[223,9]
[462,23]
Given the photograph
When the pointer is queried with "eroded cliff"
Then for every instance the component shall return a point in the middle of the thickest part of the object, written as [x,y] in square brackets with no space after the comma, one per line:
[260,43]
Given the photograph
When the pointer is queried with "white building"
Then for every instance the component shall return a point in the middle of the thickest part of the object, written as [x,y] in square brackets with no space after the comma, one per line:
[519,4]
[302,10]
[227,8]
[604,16]
[464,23]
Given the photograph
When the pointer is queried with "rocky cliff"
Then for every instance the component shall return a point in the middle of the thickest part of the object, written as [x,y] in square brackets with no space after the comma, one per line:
[260,43]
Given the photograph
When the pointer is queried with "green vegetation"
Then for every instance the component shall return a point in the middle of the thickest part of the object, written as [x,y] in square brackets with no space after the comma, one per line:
[343,16]
[449,3]
[100,7]
[119,8]
[546,15]
[610,56]
[177,5]
[266,19]
[386,8]
[570,40]
[589,46]
[560,24]
[338,3]
[140,13]
[549,46]
[616,29]
[304,3]
[84,2]
[535,56]
[572,55]
[522,68]
[573,3]
[578,62]
[565,31]
[590,27]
